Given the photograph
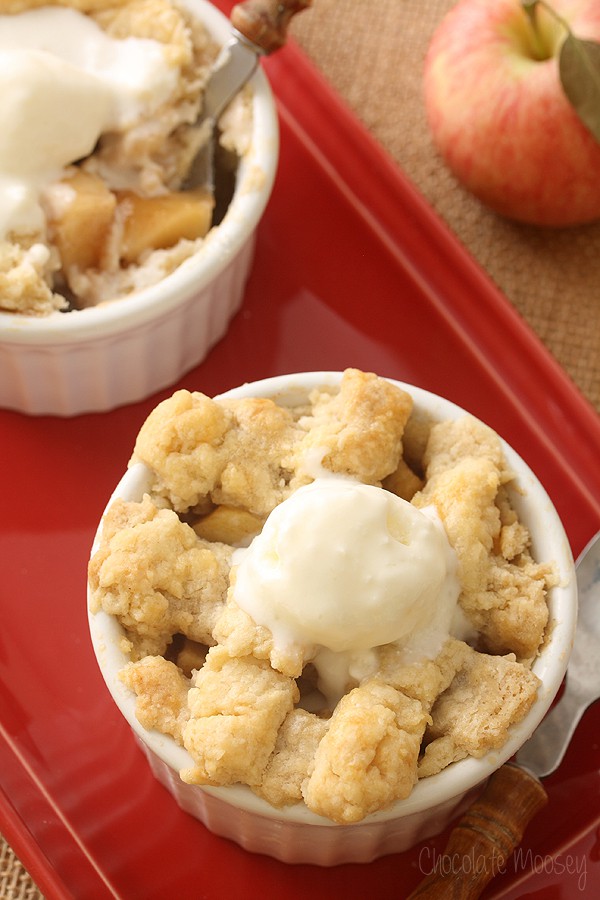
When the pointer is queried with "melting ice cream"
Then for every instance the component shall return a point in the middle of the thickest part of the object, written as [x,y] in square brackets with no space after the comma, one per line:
[347,566]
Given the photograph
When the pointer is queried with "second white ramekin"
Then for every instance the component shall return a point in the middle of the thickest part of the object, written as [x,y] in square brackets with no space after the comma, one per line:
[122,351]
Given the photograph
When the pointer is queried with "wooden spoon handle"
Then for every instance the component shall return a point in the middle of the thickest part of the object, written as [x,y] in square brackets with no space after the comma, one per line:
[484,838]
[266,22]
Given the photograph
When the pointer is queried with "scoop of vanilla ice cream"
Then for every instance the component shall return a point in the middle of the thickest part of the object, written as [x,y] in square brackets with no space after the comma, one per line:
[64,82]
[348,566]
[51,112]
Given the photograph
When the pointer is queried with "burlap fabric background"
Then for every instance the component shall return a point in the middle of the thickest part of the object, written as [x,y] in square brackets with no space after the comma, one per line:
[372,52]
[15,883]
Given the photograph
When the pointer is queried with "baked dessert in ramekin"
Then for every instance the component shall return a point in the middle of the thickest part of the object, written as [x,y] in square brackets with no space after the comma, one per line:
[116,275]
[432,610]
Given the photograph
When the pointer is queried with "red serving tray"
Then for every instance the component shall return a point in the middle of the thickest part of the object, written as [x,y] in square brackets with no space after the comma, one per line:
[352,269]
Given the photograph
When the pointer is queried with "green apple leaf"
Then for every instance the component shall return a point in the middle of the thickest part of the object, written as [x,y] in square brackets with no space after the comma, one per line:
[579,67]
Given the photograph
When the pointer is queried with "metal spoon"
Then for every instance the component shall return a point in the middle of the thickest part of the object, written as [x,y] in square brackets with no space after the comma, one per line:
[494,825]
[259,28]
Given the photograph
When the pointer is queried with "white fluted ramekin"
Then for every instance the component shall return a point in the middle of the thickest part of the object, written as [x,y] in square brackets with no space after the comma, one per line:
[122,351]
[295,834]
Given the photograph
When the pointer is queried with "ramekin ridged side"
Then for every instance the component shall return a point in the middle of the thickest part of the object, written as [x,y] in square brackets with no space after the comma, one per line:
[100,372]
[293,842]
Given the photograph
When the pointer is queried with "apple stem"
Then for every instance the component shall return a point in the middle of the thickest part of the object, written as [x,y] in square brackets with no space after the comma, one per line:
[539,44]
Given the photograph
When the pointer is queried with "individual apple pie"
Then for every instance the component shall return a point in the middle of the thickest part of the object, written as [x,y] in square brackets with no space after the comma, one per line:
[100,104]
[325,600]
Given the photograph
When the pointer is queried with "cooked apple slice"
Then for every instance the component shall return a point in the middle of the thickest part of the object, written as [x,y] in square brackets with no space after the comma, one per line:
[150,223]
[80,219]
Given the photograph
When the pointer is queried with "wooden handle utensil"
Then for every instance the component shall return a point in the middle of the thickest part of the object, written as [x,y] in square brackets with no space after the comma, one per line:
[265,22]
[482,842]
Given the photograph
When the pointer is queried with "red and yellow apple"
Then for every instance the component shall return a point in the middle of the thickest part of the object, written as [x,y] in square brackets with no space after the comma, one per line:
[498,113]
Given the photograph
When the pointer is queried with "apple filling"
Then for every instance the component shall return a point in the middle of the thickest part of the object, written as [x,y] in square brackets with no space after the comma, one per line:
[95,223]
[102,101]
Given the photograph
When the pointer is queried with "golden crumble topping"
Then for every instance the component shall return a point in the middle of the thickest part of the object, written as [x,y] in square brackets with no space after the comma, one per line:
[223,686]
